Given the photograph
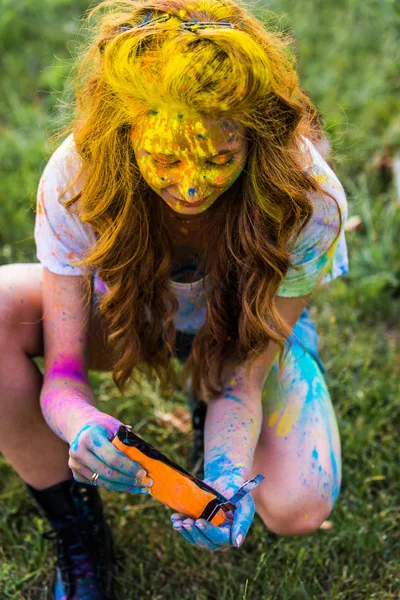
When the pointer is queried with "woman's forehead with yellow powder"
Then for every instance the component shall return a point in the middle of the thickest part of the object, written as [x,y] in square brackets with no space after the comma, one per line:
[185,134]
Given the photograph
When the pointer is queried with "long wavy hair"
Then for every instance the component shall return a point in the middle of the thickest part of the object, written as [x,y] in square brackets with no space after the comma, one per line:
[245,73]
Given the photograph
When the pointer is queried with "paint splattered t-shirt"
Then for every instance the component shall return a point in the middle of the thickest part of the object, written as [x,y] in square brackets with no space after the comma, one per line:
[61,238]
[319,254]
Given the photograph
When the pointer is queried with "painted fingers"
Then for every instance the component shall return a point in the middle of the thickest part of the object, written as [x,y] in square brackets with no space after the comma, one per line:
[242,520]
[204,535]
[109,478]
[91,451]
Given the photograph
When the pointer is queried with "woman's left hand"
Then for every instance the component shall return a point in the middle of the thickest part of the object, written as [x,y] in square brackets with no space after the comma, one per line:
[203,534]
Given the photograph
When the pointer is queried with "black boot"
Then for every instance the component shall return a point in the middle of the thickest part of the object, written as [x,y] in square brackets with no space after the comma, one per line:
[83,540]
[198,408]
[198,419]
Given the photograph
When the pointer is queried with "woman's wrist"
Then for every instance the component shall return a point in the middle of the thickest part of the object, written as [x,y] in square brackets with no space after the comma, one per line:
[227,486]
[224,476]
[65,407]
[75,424]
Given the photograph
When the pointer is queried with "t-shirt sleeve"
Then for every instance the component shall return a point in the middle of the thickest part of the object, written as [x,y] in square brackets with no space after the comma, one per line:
[61,238]
[320,252]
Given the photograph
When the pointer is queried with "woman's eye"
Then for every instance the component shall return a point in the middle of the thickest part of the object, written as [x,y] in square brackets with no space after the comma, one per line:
[165,165]
[170,165]
[225,164]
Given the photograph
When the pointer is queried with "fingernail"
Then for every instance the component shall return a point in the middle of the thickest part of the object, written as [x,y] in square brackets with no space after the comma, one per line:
[141,473]
[200,525]
[239,540]
[177,525]
[147,482]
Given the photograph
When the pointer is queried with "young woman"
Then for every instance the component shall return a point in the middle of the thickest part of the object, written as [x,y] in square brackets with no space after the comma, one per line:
[188,204]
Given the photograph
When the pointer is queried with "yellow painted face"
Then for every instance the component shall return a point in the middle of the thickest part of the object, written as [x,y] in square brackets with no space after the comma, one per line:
[188,160]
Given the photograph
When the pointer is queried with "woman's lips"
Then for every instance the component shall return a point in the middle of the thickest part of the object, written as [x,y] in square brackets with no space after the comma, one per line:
[191,204]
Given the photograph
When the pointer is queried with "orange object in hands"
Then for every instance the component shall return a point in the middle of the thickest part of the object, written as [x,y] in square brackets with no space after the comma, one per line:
[177,488]
[173,486]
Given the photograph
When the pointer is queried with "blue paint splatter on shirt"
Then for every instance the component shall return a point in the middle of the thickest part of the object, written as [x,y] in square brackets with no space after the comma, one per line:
[235,398]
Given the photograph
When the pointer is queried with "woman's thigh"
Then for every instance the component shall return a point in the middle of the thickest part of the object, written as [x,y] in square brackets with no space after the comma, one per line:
[21,313]
[299,447]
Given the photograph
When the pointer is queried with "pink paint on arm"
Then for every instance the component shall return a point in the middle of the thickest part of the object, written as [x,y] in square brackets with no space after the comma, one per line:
[66,397]
[66,368]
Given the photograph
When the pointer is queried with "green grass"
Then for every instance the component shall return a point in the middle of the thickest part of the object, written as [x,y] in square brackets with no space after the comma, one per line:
[348,53]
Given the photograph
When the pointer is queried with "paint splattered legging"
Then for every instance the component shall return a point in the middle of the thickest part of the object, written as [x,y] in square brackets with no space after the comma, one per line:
[299,436]
[299,443]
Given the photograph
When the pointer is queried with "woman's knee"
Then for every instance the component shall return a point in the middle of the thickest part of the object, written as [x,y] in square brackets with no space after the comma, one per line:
[296,517]
[21,308]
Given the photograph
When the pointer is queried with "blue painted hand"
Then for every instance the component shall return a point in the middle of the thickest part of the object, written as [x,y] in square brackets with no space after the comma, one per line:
[91,451]
[204,535]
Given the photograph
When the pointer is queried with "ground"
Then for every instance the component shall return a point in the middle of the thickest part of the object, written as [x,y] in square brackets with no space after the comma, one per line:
[348,53]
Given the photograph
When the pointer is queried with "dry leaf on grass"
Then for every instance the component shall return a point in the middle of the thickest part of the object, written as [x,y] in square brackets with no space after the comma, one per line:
[353,224]
[179,418]
[326,525]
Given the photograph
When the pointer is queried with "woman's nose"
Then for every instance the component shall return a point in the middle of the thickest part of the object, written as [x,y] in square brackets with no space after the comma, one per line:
[194,192]
[193,195]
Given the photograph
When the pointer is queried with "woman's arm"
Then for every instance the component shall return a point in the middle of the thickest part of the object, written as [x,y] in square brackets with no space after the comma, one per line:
[232,428]
[66,397]
[234,418]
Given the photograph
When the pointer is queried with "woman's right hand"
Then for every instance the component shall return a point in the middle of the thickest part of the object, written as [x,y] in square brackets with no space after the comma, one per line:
[92,451]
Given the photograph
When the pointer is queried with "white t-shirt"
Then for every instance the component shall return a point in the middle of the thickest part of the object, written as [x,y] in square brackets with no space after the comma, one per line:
[61,238]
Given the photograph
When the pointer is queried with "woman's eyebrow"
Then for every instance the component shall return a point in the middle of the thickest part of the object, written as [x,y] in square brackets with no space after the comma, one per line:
[224,151]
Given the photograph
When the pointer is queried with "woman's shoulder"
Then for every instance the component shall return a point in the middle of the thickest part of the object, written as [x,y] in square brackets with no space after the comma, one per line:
[313,159]
[64,165]
[66,151]
[61,238]
[318,167]
[319,252]
[312,155]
